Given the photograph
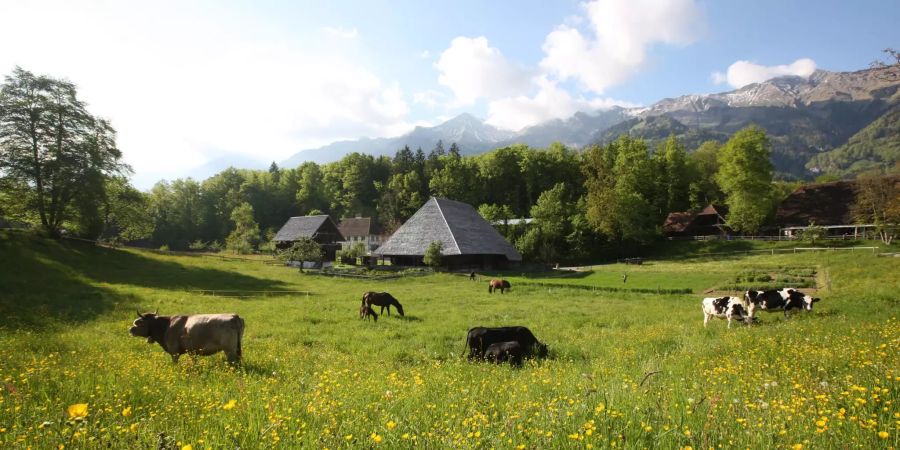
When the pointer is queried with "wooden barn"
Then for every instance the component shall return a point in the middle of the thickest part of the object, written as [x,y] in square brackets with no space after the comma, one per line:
[709,221]
[468,240]
[321,229]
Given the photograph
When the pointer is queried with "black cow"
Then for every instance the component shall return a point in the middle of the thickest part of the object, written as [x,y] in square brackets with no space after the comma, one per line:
[784,299]
[480,338]
[501,352]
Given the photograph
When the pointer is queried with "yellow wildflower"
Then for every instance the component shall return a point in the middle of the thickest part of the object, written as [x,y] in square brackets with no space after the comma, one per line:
[391,425]
[230,405]
[78,411]
[187,447]
[883,434]
[126,412]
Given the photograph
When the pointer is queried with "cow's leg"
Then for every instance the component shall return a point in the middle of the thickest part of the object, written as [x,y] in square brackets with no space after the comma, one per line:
[232,357]
[705,319]
[729,322]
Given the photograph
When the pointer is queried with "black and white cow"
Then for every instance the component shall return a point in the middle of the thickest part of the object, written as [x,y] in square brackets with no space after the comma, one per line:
[784,299]
[725,308]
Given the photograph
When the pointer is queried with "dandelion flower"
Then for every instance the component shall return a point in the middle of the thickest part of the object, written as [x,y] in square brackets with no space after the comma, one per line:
[391,425]
[230,405]
[883,434]
[78,411]
[126,412]
[188,447]
[797,447]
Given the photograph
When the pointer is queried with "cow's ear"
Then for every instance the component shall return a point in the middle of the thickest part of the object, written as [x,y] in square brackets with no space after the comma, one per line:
[815,299]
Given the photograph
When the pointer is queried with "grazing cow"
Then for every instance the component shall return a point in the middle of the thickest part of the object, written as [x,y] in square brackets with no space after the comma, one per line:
[472,276]
[199,334]
[501,285]
[382,299]
[725,308]
[501,352]
[480,338]
[365,311]
[784,299]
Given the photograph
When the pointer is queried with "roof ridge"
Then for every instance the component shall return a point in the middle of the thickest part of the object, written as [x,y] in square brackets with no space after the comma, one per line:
[452,236]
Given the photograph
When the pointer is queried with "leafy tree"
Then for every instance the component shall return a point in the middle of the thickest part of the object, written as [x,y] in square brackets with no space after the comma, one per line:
[619,198]
[357,250]
[50,143]
[245,237]
[432,256]
[310,191]
[878,202]
[745,176]
[302,250]
[546,237]
[813,233]
[125,215]
[704,164]
[672,176]
[400,199]
[456,180]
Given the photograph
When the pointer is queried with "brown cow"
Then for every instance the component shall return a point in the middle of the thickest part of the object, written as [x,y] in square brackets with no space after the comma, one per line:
[199,334]
[501,285]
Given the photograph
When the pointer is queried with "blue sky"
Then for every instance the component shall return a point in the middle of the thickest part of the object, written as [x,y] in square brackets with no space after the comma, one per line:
[185,83]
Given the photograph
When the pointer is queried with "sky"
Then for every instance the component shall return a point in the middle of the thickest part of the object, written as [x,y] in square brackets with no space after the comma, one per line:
[189,83]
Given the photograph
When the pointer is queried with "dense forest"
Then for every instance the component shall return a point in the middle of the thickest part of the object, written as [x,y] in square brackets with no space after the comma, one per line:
[60,169]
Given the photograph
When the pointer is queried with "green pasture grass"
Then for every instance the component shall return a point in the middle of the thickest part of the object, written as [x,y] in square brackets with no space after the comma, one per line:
[626,369]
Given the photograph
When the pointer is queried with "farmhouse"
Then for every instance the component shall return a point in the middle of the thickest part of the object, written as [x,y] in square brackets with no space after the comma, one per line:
[468,240]
[318,228]
[709,221]
[826,205]
[360,229]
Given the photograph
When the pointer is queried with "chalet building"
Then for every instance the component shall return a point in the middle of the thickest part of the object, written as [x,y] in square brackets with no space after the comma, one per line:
[468,240]
[827,205]
[320,229]
[709,221]
[360,229]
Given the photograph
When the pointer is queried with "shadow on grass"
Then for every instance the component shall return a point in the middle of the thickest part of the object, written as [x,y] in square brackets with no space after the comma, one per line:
[45,282]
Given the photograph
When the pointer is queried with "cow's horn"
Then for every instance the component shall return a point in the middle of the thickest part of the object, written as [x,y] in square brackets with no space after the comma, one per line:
[138,313]
[156,312]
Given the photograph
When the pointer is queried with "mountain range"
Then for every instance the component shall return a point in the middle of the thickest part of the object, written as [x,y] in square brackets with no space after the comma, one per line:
[839,122]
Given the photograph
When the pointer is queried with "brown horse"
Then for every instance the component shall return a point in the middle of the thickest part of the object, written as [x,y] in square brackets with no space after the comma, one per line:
[501,285]
[365,311]
[382,299]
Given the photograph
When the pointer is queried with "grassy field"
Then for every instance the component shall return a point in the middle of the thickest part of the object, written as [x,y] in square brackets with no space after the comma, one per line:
[631,370]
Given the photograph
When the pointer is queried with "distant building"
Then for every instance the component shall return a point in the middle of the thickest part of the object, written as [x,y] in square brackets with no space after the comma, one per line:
[709,221]
[320,229]
[827,205]
[360,229]
[468,240]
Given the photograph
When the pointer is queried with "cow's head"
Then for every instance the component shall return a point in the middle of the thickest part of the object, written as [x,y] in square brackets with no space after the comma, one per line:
[399,308]
[808,302]
[541,350]
[142,326]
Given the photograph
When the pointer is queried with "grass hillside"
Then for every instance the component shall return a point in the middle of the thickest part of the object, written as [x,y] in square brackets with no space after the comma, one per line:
[627,369]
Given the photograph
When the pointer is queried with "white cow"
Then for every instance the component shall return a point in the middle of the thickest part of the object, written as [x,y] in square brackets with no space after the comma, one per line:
[725,308]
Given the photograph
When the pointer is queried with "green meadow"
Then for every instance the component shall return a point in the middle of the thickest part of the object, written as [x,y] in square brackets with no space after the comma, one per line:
[626,369]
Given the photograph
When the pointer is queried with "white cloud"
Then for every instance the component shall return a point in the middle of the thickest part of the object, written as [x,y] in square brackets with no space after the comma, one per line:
[206,86]
[550,102]
[341,32]
[425,54]
[429,98]
[621,31]
[473,70]
[742,73]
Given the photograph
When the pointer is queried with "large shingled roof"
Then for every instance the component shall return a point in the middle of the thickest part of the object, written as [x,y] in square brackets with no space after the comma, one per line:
[457,225]
[824,204]
[300,227]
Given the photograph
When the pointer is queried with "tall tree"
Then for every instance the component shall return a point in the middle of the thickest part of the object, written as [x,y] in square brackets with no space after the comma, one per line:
[52,144]
[704,164]
[745,176]
[245,237]
[878,203]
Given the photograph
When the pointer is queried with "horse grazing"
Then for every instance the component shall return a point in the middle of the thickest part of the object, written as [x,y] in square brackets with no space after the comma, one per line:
[501,285]
[365,311]
[382,299]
